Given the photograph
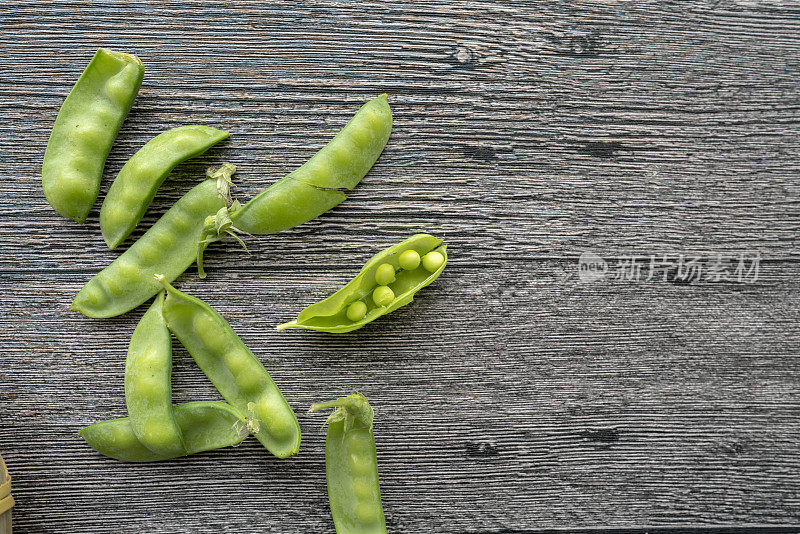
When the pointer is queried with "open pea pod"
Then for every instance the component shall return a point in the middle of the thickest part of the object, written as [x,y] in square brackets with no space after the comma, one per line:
[389,280]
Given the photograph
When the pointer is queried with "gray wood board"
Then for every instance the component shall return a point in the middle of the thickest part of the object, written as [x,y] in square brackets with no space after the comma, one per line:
[509,397]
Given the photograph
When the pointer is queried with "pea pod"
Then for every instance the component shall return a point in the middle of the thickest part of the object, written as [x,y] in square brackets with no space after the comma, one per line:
[314,187]
[205,425]
[148,387]
[351,467]
[139,179]
[414,263]
[167,248]
[233,369]
[84,130]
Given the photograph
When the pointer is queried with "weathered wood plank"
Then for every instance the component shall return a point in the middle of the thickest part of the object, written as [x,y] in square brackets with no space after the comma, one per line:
[510,397]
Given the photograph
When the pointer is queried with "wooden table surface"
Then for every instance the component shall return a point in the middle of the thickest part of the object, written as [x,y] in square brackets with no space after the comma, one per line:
[516,394]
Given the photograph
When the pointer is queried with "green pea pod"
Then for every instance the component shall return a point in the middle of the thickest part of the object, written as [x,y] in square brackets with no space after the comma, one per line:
[233,369]
[84,130]
[139,179]
[148,387]
[341,312]
[167,248]
[314,187]
[351,467]
[205,425]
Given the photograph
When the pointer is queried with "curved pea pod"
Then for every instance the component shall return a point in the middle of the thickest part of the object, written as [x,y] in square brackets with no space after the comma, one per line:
[351,467]
[331,314]
[314,187]
[205,425]
[84,130]
[139,179]
[148,386]
[236,373]
[167,248]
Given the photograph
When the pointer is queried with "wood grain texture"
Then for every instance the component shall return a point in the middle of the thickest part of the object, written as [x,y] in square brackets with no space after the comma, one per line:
[509,398]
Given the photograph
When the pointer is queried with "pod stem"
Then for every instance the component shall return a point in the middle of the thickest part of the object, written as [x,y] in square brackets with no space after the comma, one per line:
[250,424]
[224,182]
[161,279]
[284,326]
[220,224]
[351,409]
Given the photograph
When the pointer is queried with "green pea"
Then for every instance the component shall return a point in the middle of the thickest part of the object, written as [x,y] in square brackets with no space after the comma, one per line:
[149,387]
[383,296]
[205,425]
[91,132]
[363,136]
[355,462]
[139,179]
[207,329]
[363,489]
[118,88]
[184,222]
[279,422]
[114,286]
[367,513]
[329,314]
[356,442]
[95,296]
[316,186]
[409,260]
[322,170]
[133,270]
[432,261]
[351,466]
[244,371]
[342,152]
[117,213]
[76,154]
[166,239]
[74,187]
[148,372]
[81,165]
[356,311]
[211,341]
[105,112]
[384,274]
[127,270]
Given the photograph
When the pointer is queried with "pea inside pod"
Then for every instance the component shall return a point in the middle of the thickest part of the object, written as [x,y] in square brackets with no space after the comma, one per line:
[316,186]
[139,179]
[236,373]
[167,248]
[84,130]
[205,425]
[148,384]
[351,467]
[405,268]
